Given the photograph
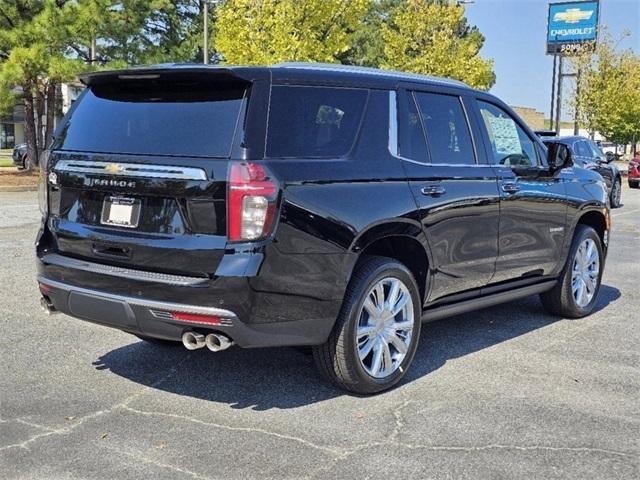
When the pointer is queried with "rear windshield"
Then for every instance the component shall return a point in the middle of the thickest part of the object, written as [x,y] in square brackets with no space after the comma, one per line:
[179,119]
[314,122]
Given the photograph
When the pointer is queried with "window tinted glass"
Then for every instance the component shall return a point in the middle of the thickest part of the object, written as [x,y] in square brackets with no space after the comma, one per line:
[412,141]
[446,128]
[595,150]
[170,119]
[313,121]
[510,145]
[582,149]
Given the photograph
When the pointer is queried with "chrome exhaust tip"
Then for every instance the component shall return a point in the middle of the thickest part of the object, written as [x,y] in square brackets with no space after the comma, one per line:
[192,340]
[47,306]
[216,342]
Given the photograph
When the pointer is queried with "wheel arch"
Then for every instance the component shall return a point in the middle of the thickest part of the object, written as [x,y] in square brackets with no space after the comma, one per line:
[402,241]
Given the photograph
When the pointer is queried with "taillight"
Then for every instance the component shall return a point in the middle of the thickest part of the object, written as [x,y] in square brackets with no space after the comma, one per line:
[251,202]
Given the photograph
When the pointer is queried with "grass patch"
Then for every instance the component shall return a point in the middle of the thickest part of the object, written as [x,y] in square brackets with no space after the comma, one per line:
[6,162]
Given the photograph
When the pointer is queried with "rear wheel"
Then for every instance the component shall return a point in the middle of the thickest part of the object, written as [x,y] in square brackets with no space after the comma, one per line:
[634,184]
[616,193]
[376,334]
[576,293]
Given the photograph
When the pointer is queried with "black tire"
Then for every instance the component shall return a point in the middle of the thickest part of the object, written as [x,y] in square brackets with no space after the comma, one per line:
[158,341]
[634,184]
[616,193]
[23,165]
[560,299]
[337,359]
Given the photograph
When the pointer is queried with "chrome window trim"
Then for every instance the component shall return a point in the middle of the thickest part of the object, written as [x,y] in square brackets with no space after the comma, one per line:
[131,169]
[141,275]
[393,139]
[141,302]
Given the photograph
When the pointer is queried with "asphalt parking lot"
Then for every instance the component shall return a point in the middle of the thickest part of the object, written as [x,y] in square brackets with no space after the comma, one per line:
[508,392]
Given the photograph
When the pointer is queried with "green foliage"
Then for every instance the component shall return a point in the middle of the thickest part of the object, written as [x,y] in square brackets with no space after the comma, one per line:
[433,37]
[254,32]
[608,94]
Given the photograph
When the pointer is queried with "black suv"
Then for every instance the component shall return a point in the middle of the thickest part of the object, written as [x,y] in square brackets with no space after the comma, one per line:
[587,154]
[308,205]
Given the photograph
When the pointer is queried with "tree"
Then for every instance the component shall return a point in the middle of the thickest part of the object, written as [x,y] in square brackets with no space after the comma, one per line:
[33,61]
[433,37]
[366,44]
[269,31]
[608,92]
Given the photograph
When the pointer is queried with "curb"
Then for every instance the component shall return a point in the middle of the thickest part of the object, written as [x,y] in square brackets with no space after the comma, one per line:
[18,188]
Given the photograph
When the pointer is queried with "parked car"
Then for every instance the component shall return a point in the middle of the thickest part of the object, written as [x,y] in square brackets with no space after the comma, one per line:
[633,176]
[20,155]
[308,205]
[587,154]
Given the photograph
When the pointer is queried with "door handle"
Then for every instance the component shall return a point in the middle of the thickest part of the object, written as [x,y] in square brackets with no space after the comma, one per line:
[510,187]
[432,190]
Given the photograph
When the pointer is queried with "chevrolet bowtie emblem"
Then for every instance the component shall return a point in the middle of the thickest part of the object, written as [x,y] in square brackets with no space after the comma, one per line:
[113,168]
[573,15]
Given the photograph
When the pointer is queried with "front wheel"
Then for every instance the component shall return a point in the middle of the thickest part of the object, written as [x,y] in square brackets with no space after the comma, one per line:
[634,184]
[376,334]
[616,193]
[577,290]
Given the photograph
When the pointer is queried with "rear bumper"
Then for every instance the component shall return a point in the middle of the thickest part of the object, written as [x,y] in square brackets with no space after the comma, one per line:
[153,318]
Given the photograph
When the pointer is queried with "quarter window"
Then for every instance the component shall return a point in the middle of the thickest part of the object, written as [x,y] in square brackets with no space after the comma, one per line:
[510,144]
[313,122]
[446,128]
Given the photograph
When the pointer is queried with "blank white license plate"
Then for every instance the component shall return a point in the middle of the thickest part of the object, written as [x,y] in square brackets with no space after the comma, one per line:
[121,212]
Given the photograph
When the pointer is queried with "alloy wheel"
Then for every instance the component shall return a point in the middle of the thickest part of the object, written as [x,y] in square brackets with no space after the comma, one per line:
[585,273]
[385,327]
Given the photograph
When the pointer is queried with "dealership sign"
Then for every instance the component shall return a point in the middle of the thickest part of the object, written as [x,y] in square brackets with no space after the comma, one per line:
[572,27]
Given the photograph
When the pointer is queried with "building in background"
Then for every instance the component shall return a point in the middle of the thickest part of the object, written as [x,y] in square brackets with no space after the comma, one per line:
[532,117]
[12,128]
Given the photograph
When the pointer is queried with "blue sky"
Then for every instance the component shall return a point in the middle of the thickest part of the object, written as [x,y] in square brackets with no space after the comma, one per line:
[515,39]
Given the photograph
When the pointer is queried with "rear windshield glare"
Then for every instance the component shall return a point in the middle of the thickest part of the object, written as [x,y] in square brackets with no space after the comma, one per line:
[176,118]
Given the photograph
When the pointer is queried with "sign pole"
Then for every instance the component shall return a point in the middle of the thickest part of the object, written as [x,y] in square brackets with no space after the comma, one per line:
[553,90]
[576,125]
[559,104]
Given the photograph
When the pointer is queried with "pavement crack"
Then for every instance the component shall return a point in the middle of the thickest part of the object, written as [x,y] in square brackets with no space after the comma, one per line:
[51,431]
[140,457]
[329,450]
[525,448]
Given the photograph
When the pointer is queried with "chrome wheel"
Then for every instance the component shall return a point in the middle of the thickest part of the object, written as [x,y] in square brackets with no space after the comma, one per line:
[585,273]
[385,326]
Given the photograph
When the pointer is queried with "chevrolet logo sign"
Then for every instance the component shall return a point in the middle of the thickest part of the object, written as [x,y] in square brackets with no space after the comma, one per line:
[573,15]
[113,168]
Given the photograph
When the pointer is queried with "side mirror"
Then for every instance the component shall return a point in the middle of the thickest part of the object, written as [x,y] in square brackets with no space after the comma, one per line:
[558,156]
[609,157]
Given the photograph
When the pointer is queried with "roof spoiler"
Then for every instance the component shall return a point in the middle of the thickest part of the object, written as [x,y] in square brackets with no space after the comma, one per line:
[183,72]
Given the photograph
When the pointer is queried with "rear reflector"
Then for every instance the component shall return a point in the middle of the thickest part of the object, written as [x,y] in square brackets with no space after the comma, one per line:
[196,318]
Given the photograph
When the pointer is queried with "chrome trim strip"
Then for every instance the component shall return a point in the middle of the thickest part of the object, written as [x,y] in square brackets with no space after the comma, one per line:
[131,169]
[141,275]
[151,304]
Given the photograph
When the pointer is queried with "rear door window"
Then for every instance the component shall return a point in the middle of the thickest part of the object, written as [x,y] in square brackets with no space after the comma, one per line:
[171,118]
[446,127]
[314,122]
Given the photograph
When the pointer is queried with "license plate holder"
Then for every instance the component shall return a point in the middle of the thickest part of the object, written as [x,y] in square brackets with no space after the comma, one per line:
[121,212]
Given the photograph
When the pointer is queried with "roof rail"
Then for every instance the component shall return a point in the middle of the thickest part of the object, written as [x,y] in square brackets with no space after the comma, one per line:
[368,70]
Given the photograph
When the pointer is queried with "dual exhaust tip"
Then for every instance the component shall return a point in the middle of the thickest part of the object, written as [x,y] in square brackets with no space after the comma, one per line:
[214,341]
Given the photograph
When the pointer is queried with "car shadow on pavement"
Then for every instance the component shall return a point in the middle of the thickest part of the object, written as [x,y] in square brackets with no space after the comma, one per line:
[262,379]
